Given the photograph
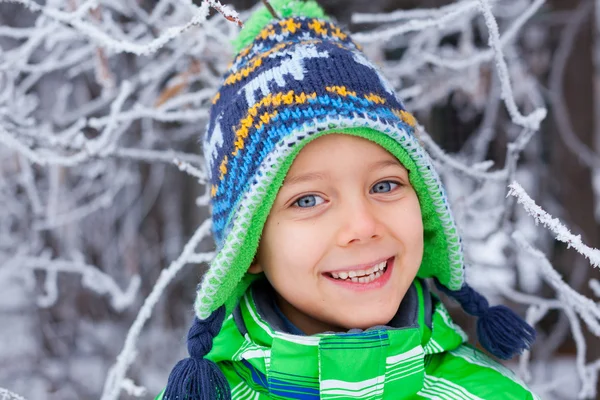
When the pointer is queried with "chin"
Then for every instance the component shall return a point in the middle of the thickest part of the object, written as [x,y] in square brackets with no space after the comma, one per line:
[369,319]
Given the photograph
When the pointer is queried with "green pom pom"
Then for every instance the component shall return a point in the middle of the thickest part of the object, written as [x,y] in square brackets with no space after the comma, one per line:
[285,9]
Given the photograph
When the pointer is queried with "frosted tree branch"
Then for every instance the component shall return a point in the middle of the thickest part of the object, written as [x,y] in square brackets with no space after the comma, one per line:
[91,277]
[190,169]
[573,304]
[102,39]
[533,120]
[419,13]
[229,13]
[114,382]
[132,389]
[7,395]
[437,20]
[595,286]
[554,225]
[487,55]
[477,171]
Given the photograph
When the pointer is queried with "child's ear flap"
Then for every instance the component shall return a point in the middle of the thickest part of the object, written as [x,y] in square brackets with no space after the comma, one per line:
[255,267]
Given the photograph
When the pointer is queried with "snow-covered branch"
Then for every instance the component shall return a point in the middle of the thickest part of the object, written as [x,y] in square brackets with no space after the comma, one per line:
[560,231]
[91,277]
[116,377]
[533,120]
[7,395]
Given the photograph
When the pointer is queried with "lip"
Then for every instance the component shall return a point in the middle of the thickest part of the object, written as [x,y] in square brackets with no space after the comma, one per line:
[358,267]
[376,284]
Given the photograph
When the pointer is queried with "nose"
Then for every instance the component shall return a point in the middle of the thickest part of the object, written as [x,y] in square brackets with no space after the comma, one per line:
[360,223]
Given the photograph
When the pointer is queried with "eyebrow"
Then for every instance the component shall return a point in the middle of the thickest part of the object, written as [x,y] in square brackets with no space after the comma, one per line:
[387,163]
[313,176]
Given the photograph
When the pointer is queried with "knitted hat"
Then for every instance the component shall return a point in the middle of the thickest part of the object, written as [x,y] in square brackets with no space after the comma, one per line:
[293,80]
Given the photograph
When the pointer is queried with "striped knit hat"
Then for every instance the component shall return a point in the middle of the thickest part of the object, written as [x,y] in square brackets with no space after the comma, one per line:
[293,80]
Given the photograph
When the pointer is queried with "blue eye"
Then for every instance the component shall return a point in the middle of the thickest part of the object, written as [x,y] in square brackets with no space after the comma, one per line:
[308,201]
[384,187]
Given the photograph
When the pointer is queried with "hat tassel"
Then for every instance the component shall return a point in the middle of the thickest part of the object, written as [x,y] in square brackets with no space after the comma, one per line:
[499,329]
[196,378]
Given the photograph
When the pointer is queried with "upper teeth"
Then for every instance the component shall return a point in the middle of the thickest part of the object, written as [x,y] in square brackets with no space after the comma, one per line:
[360,275]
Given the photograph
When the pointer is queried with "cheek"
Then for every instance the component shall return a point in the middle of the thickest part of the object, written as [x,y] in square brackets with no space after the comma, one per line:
[290,249]
[408,224]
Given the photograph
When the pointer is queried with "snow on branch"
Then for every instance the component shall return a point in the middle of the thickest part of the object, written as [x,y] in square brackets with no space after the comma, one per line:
[8,395]
[229,13]
[413,14]
[574,305]
[100,103]
[104,40]
[481,56]
[190,169]
[533,120]
[585,307]
[116,376]
[132,389]
[438,20]
[91,277]
[595,286]
[560,231]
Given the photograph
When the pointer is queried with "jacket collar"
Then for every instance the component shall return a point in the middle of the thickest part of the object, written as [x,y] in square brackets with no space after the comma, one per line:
[263,296]
[391,358]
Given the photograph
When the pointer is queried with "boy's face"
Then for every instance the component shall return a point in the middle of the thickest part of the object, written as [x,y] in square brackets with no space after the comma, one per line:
[344,239]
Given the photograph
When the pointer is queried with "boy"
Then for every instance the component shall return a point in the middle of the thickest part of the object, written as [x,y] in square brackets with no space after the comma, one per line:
[328,215]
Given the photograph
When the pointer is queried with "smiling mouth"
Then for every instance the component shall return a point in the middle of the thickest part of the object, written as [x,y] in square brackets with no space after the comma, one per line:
[367,275]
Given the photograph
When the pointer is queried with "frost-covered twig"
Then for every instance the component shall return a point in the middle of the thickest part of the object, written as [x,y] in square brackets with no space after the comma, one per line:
[106,41]
[132,389]
[573,304]
[487,55]
[412,14]
[229,13]
[487,130]
[473,171]
[553,224]
[533,120]
[439,21]
[156,156]
[102,144]
[114,382]
[595,286]
[9,141]
[586,308]
[190,169]
[91,277]
[8,395]
[101,202]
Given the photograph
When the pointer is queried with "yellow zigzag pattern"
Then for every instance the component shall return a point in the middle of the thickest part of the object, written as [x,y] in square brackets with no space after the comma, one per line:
[290,98]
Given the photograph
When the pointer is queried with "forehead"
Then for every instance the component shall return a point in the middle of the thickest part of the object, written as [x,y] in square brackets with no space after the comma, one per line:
[341,153]
[342,145]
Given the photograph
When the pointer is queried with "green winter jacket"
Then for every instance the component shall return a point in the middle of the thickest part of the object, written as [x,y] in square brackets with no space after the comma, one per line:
[421,355]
